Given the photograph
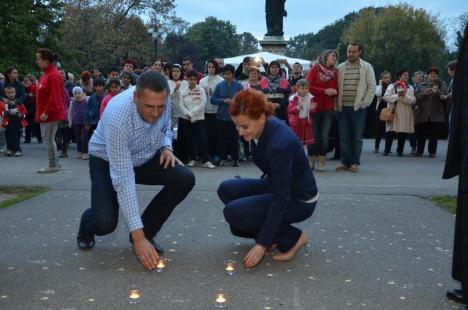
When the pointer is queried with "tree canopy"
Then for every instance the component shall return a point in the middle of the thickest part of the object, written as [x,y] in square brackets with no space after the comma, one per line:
[397,37]
[25,26]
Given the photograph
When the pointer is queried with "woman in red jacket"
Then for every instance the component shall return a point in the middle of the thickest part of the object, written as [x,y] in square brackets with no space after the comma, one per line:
[323,84]
[49,105]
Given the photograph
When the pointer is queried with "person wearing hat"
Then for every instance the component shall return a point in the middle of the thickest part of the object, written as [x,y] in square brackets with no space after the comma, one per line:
[429,112]
[76,120]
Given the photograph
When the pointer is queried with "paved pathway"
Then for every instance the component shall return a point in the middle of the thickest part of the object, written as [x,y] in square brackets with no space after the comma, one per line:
[376,243]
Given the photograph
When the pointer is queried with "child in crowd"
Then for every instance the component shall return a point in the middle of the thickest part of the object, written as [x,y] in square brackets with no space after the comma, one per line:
[300,110]
[14,114]
[94,105]
[32,129]
[113,74]
[126,79]
[191,128]
[76,120]
[114,89]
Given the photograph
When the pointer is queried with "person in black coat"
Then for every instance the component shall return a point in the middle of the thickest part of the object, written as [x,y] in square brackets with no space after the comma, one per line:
[264,209]
[457,164]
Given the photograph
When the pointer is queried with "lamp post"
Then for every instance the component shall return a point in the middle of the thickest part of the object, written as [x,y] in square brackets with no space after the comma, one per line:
[156,35]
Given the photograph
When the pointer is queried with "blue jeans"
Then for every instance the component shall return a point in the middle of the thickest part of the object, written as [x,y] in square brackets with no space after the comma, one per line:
[351,125]
[321,126]
[102,217]
[248,203]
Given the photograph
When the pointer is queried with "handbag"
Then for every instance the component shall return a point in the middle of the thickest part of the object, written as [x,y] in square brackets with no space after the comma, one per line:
[387,115]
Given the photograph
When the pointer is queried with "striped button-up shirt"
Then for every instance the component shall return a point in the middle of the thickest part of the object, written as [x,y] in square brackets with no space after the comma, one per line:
[126,141]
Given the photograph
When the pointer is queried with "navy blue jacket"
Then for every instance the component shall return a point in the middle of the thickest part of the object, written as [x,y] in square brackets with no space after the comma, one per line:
[280,155]
[223,91]
[94,104]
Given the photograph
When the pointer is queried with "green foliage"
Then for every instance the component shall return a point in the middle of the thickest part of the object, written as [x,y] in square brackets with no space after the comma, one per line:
[461,24]
[398,37]
[102,34]
[176,47]
[213,37]
[248,43]
[27,25]
[309,46]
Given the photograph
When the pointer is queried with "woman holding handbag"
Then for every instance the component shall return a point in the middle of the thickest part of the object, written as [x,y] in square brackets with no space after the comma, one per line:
[400,98]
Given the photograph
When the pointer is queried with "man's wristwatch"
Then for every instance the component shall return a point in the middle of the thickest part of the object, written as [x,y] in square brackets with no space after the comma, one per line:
[167,147]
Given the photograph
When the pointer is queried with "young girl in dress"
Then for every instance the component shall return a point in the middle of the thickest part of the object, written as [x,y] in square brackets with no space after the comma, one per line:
[300,110]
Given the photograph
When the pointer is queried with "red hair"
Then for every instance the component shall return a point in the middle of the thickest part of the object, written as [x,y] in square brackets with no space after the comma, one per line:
[251,103]
[85,75]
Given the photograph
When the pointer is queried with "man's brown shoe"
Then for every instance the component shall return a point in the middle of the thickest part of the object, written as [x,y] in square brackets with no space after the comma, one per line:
[354,168]
[342,167]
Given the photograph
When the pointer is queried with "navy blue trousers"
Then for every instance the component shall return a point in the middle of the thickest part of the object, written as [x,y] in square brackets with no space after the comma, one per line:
[248,203]
[102,217]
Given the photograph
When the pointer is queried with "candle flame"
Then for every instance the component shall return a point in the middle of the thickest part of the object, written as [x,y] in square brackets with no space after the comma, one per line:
[134,294]
[220,298]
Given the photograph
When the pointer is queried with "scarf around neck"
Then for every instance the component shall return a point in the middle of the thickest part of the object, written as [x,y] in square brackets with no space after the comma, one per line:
[325,74]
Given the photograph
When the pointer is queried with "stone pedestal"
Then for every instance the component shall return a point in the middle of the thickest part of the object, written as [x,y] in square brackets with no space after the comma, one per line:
[274,44]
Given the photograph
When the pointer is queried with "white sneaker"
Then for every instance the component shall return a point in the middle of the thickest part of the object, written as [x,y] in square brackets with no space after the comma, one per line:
[17,154]
[208,165]
[191,163]
[85,156]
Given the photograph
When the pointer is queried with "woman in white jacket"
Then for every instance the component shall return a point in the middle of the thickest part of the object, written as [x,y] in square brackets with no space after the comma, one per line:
[400,97]
[385,80]
[208,83]
[191,131]
[176,84]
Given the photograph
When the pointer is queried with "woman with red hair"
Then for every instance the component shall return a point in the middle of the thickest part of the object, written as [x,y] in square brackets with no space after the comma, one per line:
[264,209]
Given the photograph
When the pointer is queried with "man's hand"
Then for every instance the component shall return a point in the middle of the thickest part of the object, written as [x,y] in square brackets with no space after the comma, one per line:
[227,101]
[167,157]
[43,117]
[144,250]
[254,256]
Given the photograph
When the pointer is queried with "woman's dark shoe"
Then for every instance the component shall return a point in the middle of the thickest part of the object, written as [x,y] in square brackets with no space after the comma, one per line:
[455,295]
[385,154]
[283,257]
[400,154]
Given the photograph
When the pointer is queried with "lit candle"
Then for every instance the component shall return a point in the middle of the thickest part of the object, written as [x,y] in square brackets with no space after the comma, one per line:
[133,296]
[230,267]
[221,300]
[161,264]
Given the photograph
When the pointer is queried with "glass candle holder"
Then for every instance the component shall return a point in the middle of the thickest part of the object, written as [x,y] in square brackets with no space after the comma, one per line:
[220,300]
[134,295]
[230,267]
[162,263]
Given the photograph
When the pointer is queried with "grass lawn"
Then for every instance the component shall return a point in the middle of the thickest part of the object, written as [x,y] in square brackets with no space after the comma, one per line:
[9,195]
[448,203]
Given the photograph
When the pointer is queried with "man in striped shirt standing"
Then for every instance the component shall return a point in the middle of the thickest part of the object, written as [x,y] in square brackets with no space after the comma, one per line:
[133,144]
[357,85]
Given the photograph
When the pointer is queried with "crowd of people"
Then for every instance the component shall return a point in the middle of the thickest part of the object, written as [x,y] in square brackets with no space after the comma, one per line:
[281,117]
[311,101]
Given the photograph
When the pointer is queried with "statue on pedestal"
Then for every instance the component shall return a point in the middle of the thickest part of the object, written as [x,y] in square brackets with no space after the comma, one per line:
[275,12]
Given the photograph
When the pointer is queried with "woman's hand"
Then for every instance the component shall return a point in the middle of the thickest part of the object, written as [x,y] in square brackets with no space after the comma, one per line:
[254,256]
